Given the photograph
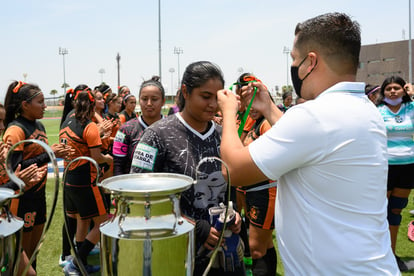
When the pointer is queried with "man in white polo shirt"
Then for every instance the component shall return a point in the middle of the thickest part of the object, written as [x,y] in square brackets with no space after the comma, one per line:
[328,155]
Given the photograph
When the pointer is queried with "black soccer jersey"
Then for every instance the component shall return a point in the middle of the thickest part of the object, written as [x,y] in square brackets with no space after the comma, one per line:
[171,145]
[125,142]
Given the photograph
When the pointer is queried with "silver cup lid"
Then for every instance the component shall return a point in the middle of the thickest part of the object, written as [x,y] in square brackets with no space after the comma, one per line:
[147,184]
[5,195]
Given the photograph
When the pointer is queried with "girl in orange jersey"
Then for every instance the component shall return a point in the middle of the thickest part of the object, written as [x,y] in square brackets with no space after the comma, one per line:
[31,173]
[83,198]
[68,111]
[260,206]
[24,106]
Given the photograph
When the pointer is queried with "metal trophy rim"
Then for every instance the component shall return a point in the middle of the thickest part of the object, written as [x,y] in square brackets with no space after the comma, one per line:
[141,184]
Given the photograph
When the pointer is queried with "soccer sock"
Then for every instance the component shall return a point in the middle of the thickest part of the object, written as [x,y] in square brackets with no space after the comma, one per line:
[84,250]
[71,225]
[78,245]
[271,260]
[266,265]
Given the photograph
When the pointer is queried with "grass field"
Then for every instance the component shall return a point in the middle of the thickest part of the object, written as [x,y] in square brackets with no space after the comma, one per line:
[48,257]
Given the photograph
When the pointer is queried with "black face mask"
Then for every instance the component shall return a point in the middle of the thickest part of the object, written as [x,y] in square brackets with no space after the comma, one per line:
[297,82]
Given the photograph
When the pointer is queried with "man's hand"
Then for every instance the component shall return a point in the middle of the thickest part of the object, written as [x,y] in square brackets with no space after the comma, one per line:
[228,102]
[262,101]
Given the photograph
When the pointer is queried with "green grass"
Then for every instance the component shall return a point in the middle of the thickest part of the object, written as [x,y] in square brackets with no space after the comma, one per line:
[405,247]
[52,130]
[47,262]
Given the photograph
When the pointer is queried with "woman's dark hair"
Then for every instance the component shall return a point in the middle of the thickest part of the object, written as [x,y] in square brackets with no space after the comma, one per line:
[110,97]
[127,97]
[197,74]
[104,88]
[121,89]
[68,105]
[69,100]
[84,104]
[241,80]
[154,81]
[370,88]
[17,92]
[389,80]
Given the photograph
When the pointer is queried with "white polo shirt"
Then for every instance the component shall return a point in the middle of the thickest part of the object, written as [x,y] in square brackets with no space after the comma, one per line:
[329,155]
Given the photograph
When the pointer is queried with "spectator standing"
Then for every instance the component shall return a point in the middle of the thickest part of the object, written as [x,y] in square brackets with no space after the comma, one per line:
[397,110]
[175,107]
[287,101]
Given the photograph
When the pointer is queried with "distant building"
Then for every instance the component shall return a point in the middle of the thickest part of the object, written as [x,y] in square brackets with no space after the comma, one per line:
[379,61]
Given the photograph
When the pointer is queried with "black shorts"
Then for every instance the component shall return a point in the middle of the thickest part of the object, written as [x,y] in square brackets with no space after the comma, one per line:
[261,208]
[31,208]
[400,176]
[85,200]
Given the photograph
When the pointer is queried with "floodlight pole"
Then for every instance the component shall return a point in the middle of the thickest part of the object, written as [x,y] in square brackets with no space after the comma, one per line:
[63,52]
[178,51]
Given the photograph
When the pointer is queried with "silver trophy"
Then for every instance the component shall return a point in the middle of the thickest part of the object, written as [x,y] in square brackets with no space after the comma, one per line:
[147,235]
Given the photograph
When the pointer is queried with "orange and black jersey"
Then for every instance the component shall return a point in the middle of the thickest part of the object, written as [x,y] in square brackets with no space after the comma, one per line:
[259,127]
[28,153]
[81,138]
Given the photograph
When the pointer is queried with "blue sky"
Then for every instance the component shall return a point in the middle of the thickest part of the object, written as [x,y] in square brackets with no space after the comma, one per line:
[233,34]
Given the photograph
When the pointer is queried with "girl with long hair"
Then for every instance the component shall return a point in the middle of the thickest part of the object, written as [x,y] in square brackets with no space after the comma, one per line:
[83,199]
[25,105]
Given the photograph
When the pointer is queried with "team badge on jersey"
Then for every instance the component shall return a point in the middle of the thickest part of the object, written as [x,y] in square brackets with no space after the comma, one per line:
[399,119]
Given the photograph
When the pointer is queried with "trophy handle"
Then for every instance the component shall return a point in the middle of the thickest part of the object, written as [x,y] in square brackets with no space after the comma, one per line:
[79,262]
[21,186]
